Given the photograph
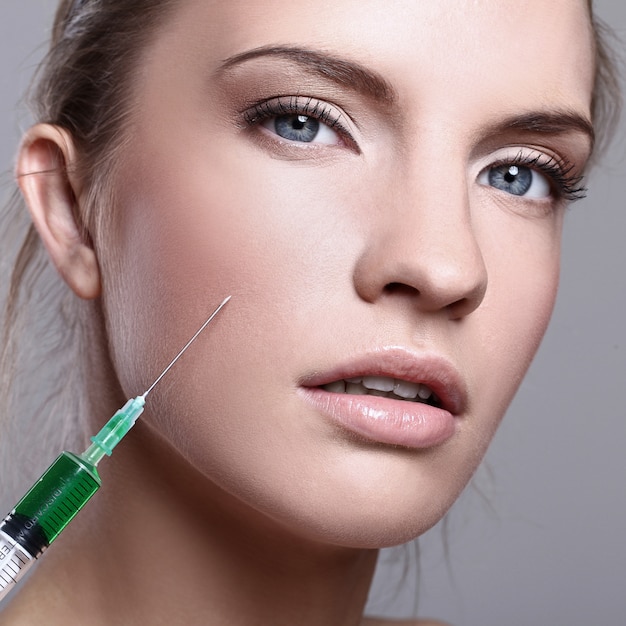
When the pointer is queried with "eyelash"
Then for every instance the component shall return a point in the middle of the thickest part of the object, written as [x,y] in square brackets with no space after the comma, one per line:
[298,105]
[567,185]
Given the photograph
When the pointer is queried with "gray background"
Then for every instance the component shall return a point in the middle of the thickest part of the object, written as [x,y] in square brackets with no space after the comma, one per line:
[539,536]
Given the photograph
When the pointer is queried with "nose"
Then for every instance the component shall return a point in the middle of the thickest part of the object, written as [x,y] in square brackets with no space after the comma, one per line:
[425,249]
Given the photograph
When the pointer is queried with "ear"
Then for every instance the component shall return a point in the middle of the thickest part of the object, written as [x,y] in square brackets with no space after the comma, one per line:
[44,173]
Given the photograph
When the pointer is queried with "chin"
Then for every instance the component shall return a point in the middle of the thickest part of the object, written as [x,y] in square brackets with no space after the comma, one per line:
[364,519]
[373,531]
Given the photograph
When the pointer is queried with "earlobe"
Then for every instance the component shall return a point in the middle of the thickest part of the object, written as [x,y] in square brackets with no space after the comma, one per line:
[44,163]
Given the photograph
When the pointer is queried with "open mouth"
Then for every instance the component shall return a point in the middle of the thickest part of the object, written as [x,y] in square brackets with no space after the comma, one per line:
[386,387]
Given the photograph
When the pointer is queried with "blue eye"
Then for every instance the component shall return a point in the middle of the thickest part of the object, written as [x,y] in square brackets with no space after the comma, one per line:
[516,180]
[301,128]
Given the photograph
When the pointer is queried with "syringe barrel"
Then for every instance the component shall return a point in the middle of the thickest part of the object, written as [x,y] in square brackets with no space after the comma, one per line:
[54,500]
[15,561]
[42,514]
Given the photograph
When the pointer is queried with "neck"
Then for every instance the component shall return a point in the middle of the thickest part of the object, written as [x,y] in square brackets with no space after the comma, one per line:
[161,545]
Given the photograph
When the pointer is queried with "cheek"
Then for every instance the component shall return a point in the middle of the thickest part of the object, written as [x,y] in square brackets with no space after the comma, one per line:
[526,277]
[216,222]
[523,260]
[190,235]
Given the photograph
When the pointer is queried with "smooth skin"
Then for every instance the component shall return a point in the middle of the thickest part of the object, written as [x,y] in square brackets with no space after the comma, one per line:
[234,501]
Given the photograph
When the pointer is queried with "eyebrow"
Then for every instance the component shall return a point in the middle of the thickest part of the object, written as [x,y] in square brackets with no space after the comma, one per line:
[556,122]
[355,76]
[343,72]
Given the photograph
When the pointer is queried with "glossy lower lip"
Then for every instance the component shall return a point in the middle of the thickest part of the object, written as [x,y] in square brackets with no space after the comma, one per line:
[384,420]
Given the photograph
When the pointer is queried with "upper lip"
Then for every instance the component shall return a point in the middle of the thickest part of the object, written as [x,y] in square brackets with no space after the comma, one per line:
[429,369]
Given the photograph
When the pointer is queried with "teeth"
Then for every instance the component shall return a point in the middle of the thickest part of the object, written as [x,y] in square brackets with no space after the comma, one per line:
[384,386]
[424,392]
[406,390]
[355,389]
[339,386]
[379,383]
[375,392]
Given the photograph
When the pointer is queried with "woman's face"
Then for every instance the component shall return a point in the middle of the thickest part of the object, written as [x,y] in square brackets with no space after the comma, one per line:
[380,186]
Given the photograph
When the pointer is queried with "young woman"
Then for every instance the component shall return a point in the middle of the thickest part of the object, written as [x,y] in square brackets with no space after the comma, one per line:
[380,186]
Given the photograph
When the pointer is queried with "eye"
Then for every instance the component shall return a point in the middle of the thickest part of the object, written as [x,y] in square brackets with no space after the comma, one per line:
[301,128]
[301,121]
[517,180]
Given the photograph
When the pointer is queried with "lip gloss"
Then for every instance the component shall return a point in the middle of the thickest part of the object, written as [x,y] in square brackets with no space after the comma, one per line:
[384,420]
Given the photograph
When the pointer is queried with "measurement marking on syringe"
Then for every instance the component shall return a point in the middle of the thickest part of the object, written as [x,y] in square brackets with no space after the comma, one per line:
[14,568]
[8,578]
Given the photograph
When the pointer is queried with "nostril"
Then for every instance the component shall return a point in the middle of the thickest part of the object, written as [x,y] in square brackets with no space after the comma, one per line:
[400,288]
[459,309]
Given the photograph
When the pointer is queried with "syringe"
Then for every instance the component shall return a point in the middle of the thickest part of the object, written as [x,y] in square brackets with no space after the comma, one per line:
[64,489]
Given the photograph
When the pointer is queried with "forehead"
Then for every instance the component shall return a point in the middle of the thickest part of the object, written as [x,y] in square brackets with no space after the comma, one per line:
[438,53]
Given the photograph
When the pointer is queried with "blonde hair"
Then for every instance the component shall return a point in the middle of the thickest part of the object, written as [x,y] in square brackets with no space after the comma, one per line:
[83,85]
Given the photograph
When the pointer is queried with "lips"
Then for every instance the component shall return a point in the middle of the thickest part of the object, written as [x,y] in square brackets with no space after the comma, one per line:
[391,396]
